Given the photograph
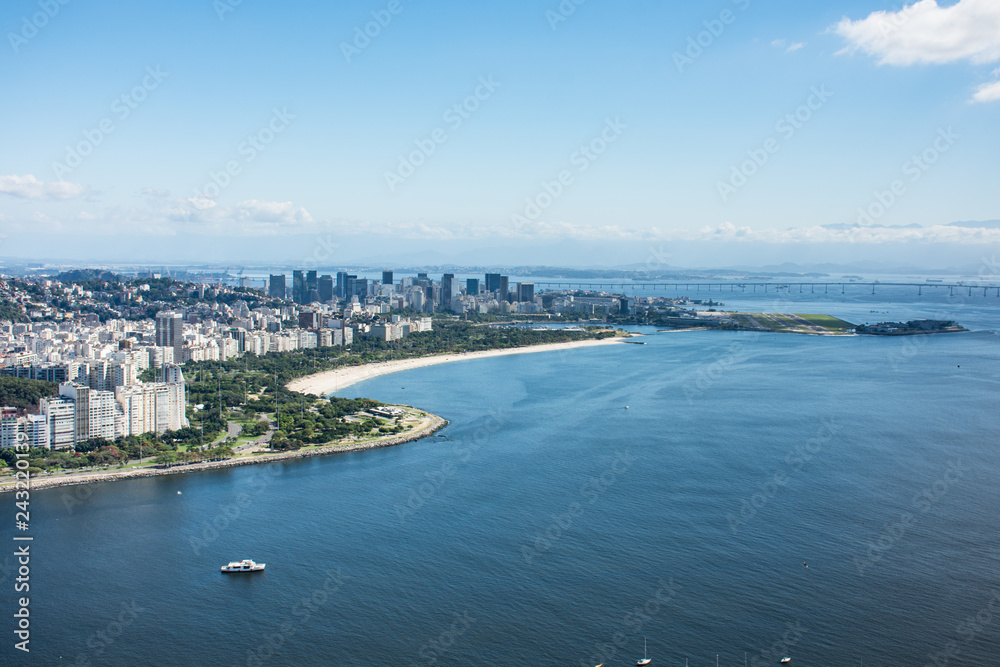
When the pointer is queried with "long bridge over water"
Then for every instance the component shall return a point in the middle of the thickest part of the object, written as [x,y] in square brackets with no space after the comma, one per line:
[768,287]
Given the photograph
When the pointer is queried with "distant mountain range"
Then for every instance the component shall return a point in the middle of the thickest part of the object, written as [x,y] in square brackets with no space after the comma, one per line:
[977,224]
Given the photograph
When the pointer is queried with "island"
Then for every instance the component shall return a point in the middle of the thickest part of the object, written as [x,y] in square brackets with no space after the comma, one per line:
[911,328]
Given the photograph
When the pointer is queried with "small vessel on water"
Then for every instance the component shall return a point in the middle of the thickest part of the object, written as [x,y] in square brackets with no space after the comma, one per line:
[246,565]
[645,657]
[785,660]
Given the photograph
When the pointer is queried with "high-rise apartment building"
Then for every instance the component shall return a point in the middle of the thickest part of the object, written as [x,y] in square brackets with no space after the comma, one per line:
[170,331]
[95,411]
[152,407]
[60,415]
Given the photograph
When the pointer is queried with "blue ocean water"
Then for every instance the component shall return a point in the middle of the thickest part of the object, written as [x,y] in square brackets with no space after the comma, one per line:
[831,499]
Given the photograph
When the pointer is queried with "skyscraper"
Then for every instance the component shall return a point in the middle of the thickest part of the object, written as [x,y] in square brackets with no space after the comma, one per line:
[325,288]
[170,331]
[341,284]
[492,282]
[357,287]
[387,278]
[504,288]
[449,289]
[472,286]
[526,292]
[276,287]
[312,288]
[298,287]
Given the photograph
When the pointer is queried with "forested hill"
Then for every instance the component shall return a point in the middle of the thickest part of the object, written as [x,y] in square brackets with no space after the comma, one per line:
[24,394]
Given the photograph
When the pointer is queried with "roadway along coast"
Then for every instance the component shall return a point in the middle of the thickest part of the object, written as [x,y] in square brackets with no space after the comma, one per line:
[428,425]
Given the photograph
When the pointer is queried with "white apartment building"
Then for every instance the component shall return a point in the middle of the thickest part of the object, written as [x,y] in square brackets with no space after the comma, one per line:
[60,417]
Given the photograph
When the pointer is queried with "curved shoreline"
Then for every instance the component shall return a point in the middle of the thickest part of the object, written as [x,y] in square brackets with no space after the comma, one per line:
[327,382]
[436,424]
[319,384]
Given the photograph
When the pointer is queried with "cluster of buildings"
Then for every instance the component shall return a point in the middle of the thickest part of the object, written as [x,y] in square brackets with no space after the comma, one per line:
[96,360]
[420,293]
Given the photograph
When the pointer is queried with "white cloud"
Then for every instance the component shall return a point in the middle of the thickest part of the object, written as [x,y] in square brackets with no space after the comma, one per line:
[247,218]
[271,211]
[783,44]
[858,234]
[154,192]
[29,187]
[988,92]
[926,33]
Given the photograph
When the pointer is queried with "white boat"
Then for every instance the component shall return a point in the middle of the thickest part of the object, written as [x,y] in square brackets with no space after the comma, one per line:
[243,566]
[785,660]
[645,658]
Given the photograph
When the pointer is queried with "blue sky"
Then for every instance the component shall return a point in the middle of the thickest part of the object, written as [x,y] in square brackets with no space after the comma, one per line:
[331,127]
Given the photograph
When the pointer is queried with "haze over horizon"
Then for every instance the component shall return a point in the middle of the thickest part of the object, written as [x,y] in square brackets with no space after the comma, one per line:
[589,134]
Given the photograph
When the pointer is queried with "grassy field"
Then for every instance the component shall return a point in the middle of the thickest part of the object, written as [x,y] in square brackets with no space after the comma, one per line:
[826,321]
[803,323]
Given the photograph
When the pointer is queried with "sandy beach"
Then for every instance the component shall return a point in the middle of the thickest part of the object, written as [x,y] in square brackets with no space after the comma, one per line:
[319,384]
[327,382]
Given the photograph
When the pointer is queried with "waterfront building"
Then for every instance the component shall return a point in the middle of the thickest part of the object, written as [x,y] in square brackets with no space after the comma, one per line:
[60,416]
